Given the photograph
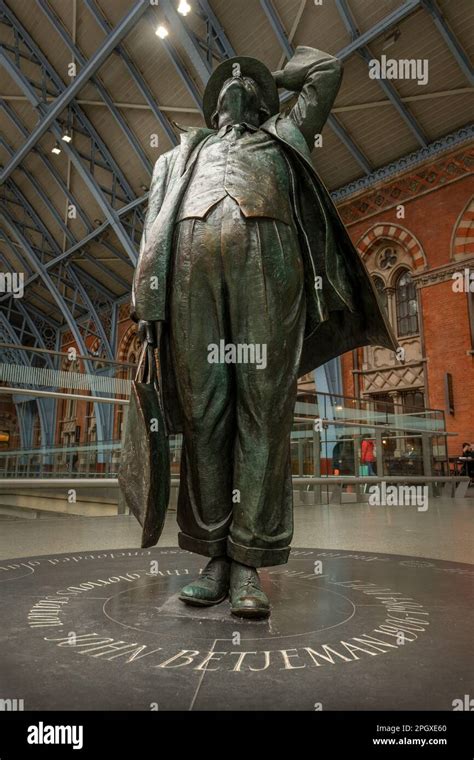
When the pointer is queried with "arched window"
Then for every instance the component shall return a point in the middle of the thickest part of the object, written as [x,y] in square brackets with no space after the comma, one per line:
[407,305]
[380,288]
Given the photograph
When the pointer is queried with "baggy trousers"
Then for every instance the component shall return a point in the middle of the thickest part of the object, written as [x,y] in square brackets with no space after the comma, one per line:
[236,281]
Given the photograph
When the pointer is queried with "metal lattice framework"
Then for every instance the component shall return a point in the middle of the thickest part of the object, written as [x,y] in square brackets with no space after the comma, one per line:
[77,274]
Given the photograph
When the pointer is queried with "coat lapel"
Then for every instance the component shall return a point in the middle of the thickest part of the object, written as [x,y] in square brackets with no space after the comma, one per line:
[284,129]
[190,140]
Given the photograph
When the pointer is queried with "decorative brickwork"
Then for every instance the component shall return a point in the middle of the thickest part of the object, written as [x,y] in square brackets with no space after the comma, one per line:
[399,235]
[405,187]
[437,231]
[463,236]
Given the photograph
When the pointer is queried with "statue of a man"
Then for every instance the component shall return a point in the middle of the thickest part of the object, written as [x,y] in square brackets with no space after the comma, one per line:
[249,280]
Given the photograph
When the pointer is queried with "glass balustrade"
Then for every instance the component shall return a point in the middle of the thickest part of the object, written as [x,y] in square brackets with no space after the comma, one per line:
[70,418]
[327,439]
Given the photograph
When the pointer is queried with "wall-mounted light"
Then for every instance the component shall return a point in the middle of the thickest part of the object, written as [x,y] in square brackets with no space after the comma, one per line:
[184,8]
[161,32]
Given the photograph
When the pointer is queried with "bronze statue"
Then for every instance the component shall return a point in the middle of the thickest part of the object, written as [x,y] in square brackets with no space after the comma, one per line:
[248,280]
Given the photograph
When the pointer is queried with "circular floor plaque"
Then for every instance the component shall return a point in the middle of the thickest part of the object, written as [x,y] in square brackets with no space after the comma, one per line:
[358,631]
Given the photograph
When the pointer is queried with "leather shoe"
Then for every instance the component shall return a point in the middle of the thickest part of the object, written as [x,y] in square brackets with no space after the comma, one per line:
[247,599]
[211,587]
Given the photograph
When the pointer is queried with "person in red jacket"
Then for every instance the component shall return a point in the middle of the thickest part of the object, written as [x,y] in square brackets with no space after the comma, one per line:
[368,455]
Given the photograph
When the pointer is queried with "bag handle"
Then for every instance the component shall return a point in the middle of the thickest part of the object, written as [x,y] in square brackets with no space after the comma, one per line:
[146,368]
[147,372]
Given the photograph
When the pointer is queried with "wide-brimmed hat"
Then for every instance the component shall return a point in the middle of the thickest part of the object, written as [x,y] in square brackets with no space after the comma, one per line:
[249,67]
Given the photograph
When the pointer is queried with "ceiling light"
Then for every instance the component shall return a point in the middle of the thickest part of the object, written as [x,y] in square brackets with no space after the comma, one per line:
[184,8]
[67,136]
[162,32]
[56,150]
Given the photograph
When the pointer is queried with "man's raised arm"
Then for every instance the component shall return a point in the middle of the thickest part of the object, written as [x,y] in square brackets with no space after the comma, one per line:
[317,77]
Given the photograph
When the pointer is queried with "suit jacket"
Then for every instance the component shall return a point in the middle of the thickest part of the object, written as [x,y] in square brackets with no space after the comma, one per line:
[345,313]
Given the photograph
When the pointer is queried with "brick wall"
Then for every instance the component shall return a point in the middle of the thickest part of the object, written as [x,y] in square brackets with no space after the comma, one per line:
[447,342]
[432,218]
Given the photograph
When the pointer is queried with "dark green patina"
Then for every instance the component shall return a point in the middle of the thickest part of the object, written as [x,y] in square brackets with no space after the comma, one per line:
[243,245]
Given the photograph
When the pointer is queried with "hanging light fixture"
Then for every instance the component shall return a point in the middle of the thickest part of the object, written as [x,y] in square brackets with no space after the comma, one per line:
[161,32]
[184,8]
[56,149]
[67,137]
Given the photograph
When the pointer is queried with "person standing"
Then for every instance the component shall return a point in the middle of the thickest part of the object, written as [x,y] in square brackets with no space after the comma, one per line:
[368,455]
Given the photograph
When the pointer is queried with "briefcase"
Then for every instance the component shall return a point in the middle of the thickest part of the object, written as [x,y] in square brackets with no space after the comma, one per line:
[144,472]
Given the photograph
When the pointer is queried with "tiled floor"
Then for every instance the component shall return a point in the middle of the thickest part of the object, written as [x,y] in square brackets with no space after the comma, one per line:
[444,531]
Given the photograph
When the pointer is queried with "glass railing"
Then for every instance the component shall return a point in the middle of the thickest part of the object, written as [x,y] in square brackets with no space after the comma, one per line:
[360,413]
[77,409]
[334,449]
[332,435]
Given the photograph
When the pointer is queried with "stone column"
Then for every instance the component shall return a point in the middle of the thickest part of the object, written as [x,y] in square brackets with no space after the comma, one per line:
[391,307]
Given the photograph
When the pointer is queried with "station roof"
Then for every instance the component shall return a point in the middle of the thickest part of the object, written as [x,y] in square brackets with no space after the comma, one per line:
[97,72]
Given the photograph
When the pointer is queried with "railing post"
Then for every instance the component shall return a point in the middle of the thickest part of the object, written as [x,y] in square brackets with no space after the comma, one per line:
[427,459]
[317,464]
[379,449]
[357,444]
[300,457]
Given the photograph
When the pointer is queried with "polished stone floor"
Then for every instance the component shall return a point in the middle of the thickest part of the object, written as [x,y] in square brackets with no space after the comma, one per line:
[373,611]
[445,531]
[349,630]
